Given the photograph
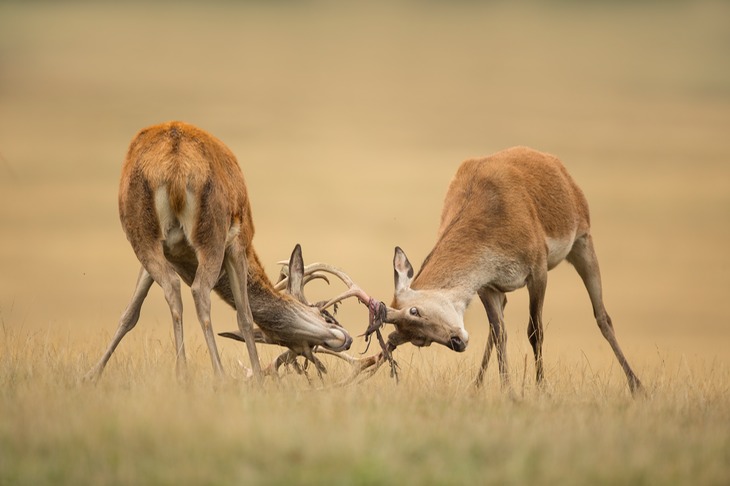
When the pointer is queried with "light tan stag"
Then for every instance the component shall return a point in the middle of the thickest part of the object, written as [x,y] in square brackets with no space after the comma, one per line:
[184,207]
[507,220]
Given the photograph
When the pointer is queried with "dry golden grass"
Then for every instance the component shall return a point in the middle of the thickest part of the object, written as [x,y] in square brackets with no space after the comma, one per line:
[348,122]
[139,426]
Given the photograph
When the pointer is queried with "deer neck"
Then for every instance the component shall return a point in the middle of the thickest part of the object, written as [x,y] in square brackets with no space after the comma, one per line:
[453,269]
[465,269]
[270,309]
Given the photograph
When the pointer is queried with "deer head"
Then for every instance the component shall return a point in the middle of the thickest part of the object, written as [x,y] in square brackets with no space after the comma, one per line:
[424,316]
[295,281]
[314,325]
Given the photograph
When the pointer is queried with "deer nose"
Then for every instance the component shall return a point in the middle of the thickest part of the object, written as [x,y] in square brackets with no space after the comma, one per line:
[457,344]
[340,342]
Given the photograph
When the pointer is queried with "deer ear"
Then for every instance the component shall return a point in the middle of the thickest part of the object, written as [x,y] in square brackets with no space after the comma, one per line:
[402,270]
[295,284]
[258,336]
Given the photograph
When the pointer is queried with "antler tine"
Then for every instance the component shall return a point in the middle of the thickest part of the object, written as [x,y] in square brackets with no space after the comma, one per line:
[281,284]
[362,368]
[309,275]
[319,267]
[353,290]
[283,276]
[324,267]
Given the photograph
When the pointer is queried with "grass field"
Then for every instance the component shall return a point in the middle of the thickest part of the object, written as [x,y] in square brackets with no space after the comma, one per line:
[348,122]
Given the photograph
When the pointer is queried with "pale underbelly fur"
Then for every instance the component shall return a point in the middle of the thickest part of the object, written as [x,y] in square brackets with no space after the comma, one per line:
[558,249]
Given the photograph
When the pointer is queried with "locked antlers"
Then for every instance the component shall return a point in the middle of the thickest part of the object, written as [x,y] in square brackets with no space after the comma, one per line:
[292,279]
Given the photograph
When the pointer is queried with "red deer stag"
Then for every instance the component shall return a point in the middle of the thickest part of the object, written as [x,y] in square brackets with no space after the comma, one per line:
[507,219]
[184,207]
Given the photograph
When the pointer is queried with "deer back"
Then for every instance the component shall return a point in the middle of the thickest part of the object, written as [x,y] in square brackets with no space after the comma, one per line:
[515,203]
[194,172]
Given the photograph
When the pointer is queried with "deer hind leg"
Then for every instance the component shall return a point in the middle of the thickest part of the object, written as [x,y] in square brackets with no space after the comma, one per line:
[210,261]
[126,322]
[536,287]
[583,258]
[494,303]
[237,271]
[154,268]
[154,262]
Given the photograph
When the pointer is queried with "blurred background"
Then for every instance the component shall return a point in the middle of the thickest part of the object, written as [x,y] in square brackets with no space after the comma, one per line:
[349,120]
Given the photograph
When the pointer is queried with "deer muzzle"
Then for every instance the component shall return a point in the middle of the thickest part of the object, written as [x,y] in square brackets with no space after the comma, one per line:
[340,340]
[456,344]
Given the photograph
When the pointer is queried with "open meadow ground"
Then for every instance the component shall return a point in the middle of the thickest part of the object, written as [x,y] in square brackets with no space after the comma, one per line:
[348,122]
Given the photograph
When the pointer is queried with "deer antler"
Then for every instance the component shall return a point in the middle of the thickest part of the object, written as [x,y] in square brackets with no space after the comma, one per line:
[310,273]
[362,368]
[288,358]
[284,276]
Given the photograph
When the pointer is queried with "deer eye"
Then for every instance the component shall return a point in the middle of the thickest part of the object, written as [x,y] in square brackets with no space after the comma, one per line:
[414,312]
